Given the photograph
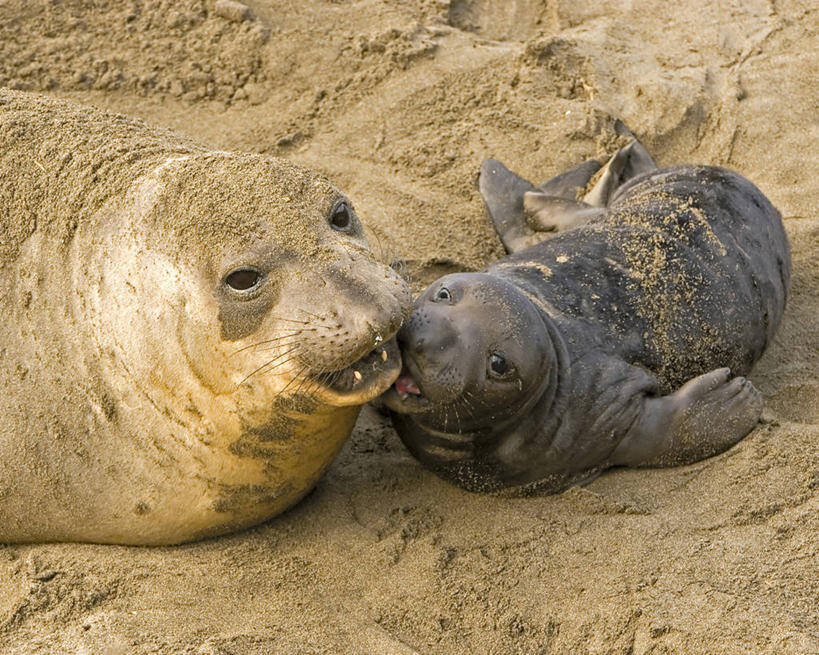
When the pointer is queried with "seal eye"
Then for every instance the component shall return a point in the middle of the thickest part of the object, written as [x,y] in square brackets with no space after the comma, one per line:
[341,218]
[243,279]
[443,295]
[498,366]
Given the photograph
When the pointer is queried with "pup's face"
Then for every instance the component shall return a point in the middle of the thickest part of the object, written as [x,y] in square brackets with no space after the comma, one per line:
[473,351]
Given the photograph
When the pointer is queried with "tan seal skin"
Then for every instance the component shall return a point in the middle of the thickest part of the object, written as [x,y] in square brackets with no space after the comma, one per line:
[187,335]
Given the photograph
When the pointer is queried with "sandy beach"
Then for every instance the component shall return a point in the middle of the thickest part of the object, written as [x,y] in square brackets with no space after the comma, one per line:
[399,103]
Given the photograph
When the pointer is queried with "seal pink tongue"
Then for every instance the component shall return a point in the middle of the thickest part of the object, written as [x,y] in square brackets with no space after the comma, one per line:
[406,385]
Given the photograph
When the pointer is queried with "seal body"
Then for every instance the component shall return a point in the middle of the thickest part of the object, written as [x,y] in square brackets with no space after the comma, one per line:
[622,341]
[186,336]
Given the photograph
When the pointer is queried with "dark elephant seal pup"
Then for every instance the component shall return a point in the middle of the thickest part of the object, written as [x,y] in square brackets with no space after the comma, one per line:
[620,342]
[187,335]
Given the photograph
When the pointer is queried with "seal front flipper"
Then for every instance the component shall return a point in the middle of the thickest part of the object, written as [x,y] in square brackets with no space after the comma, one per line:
[503,193]
[704,417]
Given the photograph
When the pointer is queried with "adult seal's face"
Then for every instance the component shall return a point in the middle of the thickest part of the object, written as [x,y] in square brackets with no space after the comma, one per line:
[238,313]
[477,356]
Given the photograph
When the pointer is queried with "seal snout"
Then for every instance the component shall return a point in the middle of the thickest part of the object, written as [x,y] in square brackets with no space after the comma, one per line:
[428,333]
[430,343]
[353,355]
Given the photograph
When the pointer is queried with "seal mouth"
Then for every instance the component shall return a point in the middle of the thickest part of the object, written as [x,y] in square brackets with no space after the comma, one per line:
[405,395]
[364,379]
[405,385]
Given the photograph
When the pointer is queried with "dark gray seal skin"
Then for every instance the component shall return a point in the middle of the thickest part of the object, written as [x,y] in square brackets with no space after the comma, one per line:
[620,342]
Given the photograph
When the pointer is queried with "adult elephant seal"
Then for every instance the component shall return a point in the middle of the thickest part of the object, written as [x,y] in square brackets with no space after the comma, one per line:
[186,335]
[619,342]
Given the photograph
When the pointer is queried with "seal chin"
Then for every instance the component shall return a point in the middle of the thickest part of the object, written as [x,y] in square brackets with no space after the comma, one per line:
[364,379]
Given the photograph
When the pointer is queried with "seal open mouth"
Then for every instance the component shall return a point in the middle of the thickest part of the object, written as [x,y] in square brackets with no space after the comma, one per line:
[364,379]
[405,385]
[405,395]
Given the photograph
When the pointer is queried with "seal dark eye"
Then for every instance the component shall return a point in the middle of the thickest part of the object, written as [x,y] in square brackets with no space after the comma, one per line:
[243,279]
[341,218]
[498,366]
[443,295]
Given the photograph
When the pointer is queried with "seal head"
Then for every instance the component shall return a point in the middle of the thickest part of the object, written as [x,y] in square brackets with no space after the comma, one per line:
[478,356]
[278,274]
[260,323]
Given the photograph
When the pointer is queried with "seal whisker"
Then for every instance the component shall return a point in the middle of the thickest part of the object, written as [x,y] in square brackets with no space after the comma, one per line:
[383,254]
[304,311]
[298,375]
[269,362]
[369,231]
[305,379]
[457,417]
[474,398]
[463,401]
[274,346]
[467,407]
[328,378]
[469,398]
[312,388]
[271,344]
[289,335]
[282,362]
[270,369]
[291,320]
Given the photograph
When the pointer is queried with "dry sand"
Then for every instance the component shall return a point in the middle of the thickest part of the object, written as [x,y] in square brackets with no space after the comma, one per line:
[399,102]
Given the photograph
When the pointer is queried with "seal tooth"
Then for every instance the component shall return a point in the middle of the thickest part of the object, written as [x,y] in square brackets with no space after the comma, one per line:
[383,355]
[357,375]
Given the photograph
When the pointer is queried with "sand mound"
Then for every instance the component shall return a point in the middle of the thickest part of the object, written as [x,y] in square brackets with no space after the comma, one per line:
[399,102]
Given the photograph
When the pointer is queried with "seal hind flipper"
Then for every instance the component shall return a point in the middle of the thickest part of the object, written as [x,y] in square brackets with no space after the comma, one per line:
[553,205]
[570,183]
[704,417]
[545,213]
[502,192]
[639,160]
[627,163]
